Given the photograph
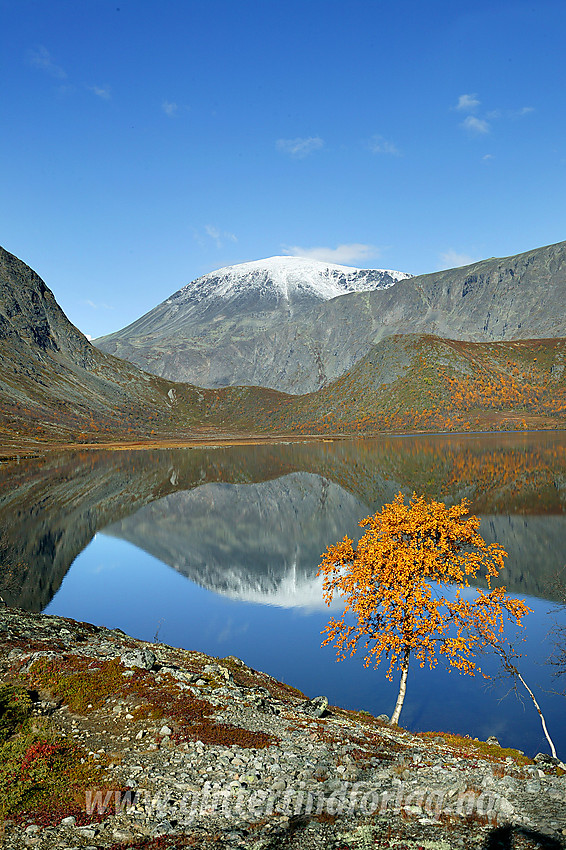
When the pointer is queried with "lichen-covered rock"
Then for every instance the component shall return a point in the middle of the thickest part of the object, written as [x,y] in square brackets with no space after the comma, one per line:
[315,707]
[143,658]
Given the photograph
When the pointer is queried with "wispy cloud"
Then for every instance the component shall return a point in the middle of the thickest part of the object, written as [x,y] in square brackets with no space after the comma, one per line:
[95,306]
[467,103]
[41,58]
[218,236]
[476,126]
[453,259]
[170,108]
[378,144]
[300,148]
[101,91]
[480,124]
[344,253]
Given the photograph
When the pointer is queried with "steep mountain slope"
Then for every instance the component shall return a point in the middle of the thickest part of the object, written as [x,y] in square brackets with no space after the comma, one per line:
[54,385]
[300,350]
[206,332]
[53,382]
[520,297]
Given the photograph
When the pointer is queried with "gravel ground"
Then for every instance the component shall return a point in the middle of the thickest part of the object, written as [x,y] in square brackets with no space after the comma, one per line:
[235,759]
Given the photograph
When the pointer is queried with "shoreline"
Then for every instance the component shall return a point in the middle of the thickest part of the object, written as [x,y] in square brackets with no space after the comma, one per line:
[26,449]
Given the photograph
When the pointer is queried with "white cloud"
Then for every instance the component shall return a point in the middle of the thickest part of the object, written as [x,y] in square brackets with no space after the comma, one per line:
[100,91]
[299,148]
[477,126]
[345,253]
[377,144]
[453,259]
[487,156]
[526,110]
[89,337]
[41,58]
[169,108]
[467,103]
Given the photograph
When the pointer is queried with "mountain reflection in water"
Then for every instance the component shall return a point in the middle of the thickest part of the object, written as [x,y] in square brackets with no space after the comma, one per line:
[259,542]
[252,521]
[262,542]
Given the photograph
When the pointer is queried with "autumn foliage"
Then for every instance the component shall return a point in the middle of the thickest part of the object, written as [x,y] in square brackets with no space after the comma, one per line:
[390,583]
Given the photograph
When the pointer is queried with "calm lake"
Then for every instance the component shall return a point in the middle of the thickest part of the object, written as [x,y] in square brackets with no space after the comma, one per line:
[217,550]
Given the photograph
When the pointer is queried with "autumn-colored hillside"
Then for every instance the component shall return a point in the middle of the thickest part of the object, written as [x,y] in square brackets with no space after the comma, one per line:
[424,383]
[406,383]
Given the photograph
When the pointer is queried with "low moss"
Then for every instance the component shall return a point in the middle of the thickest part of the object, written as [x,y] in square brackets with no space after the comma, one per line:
[244,677]
[359,716]
[224,735]
[161,842]
[84,684]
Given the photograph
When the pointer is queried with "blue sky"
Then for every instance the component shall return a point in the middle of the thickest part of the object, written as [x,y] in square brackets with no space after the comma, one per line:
[146,142]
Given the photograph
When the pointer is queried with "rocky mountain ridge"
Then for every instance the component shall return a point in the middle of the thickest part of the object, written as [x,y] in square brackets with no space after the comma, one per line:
[53,381]
[299,351]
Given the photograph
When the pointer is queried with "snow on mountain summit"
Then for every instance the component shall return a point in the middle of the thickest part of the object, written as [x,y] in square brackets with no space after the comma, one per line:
[285,278]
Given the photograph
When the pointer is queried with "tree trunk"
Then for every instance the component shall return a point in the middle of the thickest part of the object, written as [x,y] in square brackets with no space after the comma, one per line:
[541,715]
[402,688]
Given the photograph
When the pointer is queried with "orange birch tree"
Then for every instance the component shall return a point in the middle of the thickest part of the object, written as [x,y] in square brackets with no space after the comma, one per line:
[390,584]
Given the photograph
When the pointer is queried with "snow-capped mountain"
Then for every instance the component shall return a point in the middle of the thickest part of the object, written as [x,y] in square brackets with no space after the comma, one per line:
[285,278]
[277,283]
[208,333]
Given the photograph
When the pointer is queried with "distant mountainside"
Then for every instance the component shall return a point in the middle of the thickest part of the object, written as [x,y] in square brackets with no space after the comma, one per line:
[237,326]
[518,297]
[207,332]
[420,382]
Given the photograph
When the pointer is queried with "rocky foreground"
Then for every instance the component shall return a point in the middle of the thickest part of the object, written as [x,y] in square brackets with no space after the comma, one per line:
[171,749]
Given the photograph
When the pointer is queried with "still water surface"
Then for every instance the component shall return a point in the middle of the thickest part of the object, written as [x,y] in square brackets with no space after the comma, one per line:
[217,550]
